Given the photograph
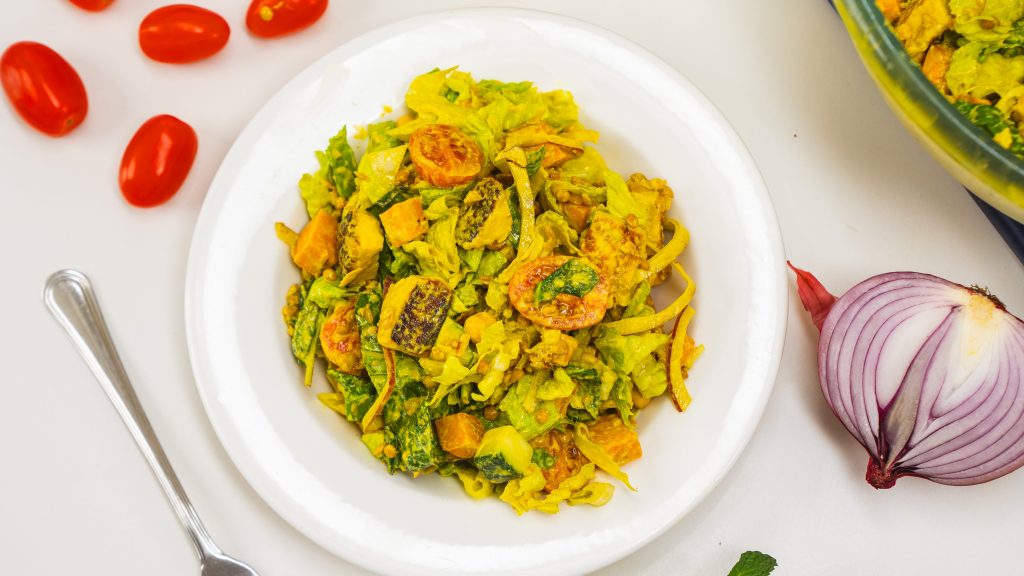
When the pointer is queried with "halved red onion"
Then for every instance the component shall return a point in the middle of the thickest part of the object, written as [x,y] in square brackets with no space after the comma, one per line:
[926,374]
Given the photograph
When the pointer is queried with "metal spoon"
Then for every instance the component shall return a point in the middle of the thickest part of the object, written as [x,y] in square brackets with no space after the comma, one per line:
[70,298]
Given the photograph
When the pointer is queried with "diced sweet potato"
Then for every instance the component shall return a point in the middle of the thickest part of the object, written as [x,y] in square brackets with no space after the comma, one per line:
[317,244]
[618,441]
[404,222]
[936,64]
[555,155]
[477,323]
[568,458]
[576,215]
[459,434]
[890,9]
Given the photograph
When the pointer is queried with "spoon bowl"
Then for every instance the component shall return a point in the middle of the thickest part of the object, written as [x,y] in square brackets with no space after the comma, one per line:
[69,296]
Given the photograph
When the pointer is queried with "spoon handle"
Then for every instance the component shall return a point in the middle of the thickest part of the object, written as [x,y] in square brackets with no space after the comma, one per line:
[70,298]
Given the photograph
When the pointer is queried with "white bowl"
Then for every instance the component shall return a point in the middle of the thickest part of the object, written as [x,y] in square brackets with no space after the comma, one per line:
[309,464]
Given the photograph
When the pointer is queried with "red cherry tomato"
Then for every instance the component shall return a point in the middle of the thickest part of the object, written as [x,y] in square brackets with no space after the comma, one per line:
[182,33]
[270,18]
[92,5]
[43,88]
[157,160]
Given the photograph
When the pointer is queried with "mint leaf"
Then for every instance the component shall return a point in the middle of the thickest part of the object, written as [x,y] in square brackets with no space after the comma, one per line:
[543,458]
[574,277]
[754,564]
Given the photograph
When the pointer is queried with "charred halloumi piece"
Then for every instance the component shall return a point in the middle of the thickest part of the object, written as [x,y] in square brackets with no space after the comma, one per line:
[412,314]
[486,218]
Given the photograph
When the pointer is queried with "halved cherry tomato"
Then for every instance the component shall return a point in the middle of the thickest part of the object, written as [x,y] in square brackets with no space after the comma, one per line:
[565,311]
[92,5]
[270,18]
[182,33]
[444,155]
[43,88]
[157,160]
[339,339]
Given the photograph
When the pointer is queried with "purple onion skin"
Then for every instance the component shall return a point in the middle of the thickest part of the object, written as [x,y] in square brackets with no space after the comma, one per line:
[938,422]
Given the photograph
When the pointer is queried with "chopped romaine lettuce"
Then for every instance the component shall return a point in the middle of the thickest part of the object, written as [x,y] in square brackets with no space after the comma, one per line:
[377,172]
[498,399]
[624,353]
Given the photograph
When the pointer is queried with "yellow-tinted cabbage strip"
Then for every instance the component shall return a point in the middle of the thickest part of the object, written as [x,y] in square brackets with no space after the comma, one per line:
[516,159]
[679,359]
[651,321]
[382,397]
[597,455]
[668,253]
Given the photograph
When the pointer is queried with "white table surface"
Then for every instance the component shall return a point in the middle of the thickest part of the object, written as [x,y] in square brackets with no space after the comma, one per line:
[855,196]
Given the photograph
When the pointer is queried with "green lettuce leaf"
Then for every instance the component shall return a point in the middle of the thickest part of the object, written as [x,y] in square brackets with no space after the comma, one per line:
[334,180]
[530,415]
[587,396]
[527,493]
[624,353]
[555,232]
[495,353]
[985,20]
[357,394]
[588,167]
[377,172]
[438,255]
[378,136]
[559,386]
[491,263]
[343,163]
[452,373]
[367,314]
[428,96]
[561,109]
[620,201]
[328,293]
[306,336]
[420,447]
[621,395]
[637,305]
[650,377]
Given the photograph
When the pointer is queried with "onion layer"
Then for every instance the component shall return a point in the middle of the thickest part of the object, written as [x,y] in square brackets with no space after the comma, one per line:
[926,374]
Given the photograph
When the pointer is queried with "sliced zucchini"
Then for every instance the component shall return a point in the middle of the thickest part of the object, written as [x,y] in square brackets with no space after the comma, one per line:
[486,218]
[503,454]
[412,314]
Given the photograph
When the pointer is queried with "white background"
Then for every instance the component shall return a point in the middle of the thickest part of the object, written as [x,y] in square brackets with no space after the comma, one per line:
[855,196]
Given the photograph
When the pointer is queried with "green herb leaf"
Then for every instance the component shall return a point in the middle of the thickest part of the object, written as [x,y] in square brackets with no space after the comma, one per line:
[543,458]
[533,160]
[574,277]
[754,564]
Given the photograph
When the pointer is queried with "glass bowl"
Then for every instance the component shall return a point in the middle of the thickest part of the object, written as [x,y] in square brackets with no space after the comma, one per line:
[970,155]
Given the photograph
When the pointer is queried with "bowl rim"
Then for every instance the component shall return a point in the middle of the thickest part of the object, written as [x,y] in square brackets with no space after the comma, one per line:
[768,257]
[908,89]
